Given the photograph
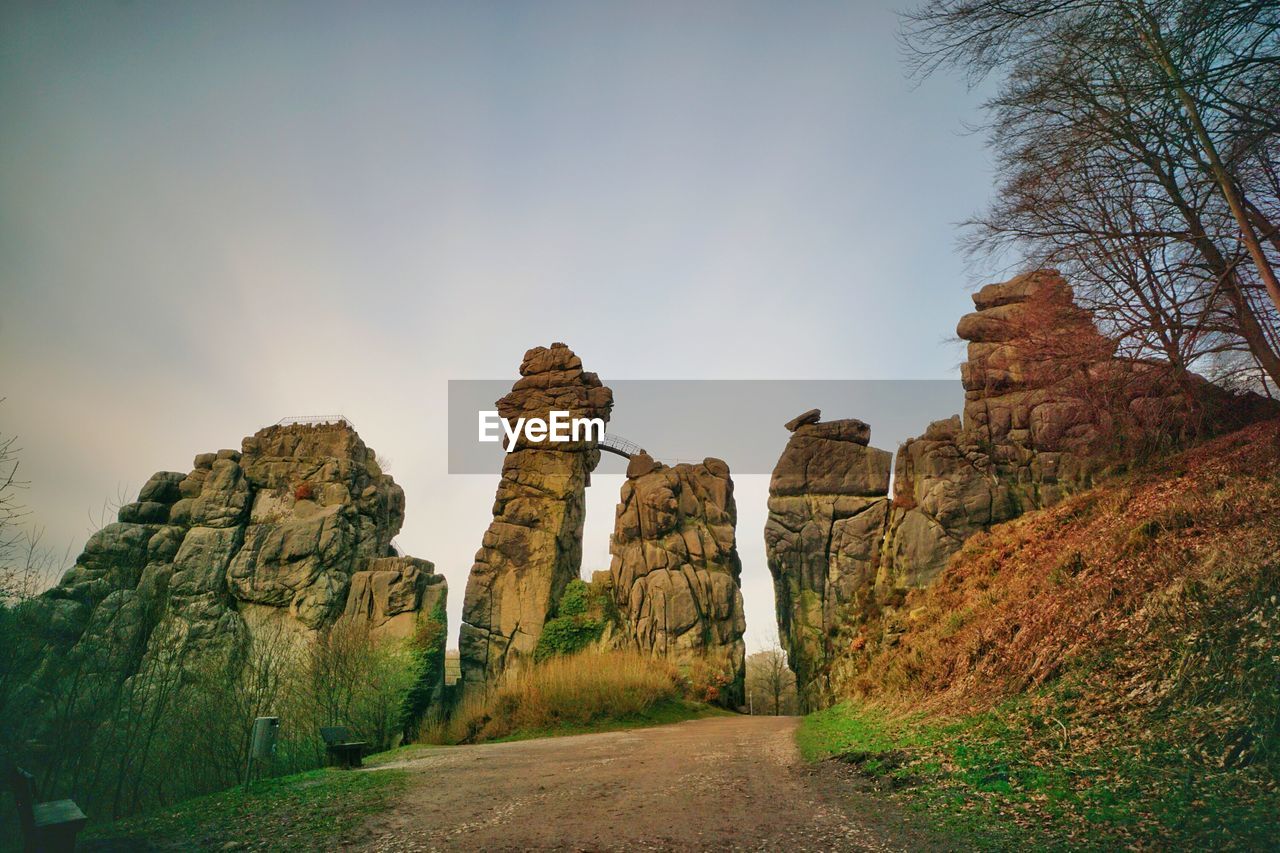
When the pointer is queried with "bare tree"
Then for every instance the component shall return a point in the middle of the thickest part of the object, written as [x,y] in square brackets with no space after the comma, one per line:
[770,682]
[1136,144]
[12,513]
[28,568]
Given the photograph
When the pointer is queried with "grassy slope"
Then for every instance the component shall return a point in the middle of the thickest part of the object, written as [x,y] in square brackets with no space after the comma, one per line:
[319,809]
[1103,672]
[315,810]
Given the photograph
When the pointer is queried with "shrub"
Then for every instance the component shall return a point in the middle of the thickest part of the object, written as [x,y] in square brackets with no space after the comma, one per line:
[355,679]
[576,598]
[573,629]
[707,679]
[567,635]
[426,649]
[304,491]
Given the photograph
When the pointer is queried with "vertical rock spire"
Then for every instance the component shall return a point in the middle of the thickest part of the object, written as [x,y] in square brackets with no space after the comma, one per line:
[533,546]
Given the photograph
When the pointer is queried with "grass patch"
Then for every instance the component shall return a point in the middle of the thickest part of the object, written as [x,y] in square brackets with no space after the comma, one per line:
[401,753]
[849,728]
[661,714]
[1013,775]
[308,811]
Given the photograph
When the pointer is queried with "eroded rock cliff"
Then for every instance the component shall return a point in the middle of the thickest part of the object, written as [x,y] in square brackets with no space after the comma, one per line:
[675,570]
[1047,401]
[279,538]
[533,546]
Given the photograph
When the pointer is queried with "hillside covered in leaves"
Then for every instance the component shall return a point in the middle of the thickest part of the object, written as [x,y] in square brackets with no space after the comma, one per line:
[1106,671]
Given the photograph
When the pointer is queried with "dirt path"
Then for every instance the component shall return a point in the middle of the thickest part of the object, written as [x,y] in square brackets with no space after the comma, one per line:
[724,783]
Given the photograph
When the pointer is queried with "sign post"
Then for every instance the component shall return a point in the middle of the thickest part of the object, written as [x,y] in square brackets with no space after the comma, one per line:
[262,743]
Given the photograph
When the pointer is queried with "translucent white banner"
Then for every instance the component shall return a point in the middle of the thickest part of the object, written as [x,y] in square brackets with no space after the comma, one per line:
[737,420]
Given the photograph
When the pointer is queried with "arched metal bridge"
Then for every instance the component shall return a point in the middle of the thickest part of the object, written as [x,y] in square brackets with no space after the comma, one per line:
[626,448]
[618,445]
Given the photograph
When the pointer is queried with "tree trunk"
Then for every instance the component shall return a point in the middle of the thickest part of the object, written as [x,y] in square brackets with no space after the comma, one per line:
[1217,170]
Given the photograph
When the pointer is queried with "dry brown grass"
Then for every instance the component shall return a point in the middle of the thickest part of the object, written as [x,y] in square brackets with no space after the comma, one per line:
[1107,670]
[1020,603]
[566,693]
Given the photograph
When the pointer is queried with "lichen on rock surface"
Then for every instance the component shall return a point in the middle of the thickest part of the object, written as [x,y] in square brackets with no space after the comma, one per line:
[533,547]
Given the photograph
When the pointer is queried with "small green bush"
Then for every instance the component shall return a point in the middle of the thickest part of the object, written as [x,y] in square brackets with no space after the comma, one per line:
[576,599]
[567,635]
[573,629]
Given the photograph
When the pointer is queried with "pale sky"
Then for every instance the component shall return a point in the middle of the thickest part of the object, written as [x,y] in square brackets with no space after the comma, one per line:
[216,215]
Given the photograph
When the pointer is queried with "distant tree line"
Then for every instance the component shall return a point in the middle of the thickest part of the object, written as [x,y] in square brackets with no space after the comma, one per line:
[1138,151]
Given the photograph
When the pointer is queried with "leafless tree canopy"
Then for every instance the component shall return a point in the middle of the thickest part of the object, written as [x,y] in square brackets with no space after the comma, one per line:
[12,511]
[26,565]
[771,685]
[1138,148]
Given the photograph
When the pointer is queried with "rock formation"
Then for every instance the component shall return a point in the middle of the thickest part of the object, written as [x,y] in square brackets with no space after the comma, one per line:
[1046,399]
[1044,395]
[392,592]
[827,513]
[281,537]
[533,547]
[676,571]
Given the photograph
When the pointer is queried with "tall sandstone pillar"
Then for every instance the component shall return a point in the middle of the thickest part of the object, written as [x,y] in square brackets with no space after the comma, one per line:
[827,514]
[533,546]
[676,573]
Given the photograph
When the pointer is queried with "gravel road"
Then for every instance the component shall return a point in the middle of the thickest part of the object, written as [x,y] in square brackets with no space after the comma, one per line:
[722,783]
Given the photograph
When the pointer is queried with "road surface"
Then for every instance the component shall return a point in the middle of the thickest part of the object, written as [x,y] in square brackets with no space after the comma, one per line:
[722,783]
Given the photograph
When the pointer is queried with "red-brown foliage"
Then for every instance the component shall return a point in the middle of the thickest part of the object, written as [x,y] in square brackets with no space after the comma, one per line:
[1056,586]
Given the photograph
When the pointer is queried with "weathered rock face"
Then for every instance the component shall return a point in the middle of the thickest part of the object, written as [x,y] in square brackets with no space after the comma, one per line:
[1034,358]
[272,537]
[392,593]
[675,570]
[1043,391]
[533,547]
[401,598]
[827,513]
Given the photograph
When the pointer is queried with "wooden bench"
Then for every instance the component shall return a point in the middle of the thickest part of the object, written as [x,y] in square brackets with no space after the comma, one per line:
[343,752]
[50,826]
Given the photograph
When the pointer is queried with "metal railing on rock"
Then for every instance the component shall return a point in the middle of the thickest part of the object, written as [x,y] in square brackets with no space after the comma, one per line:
[618,445]
[315,420]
